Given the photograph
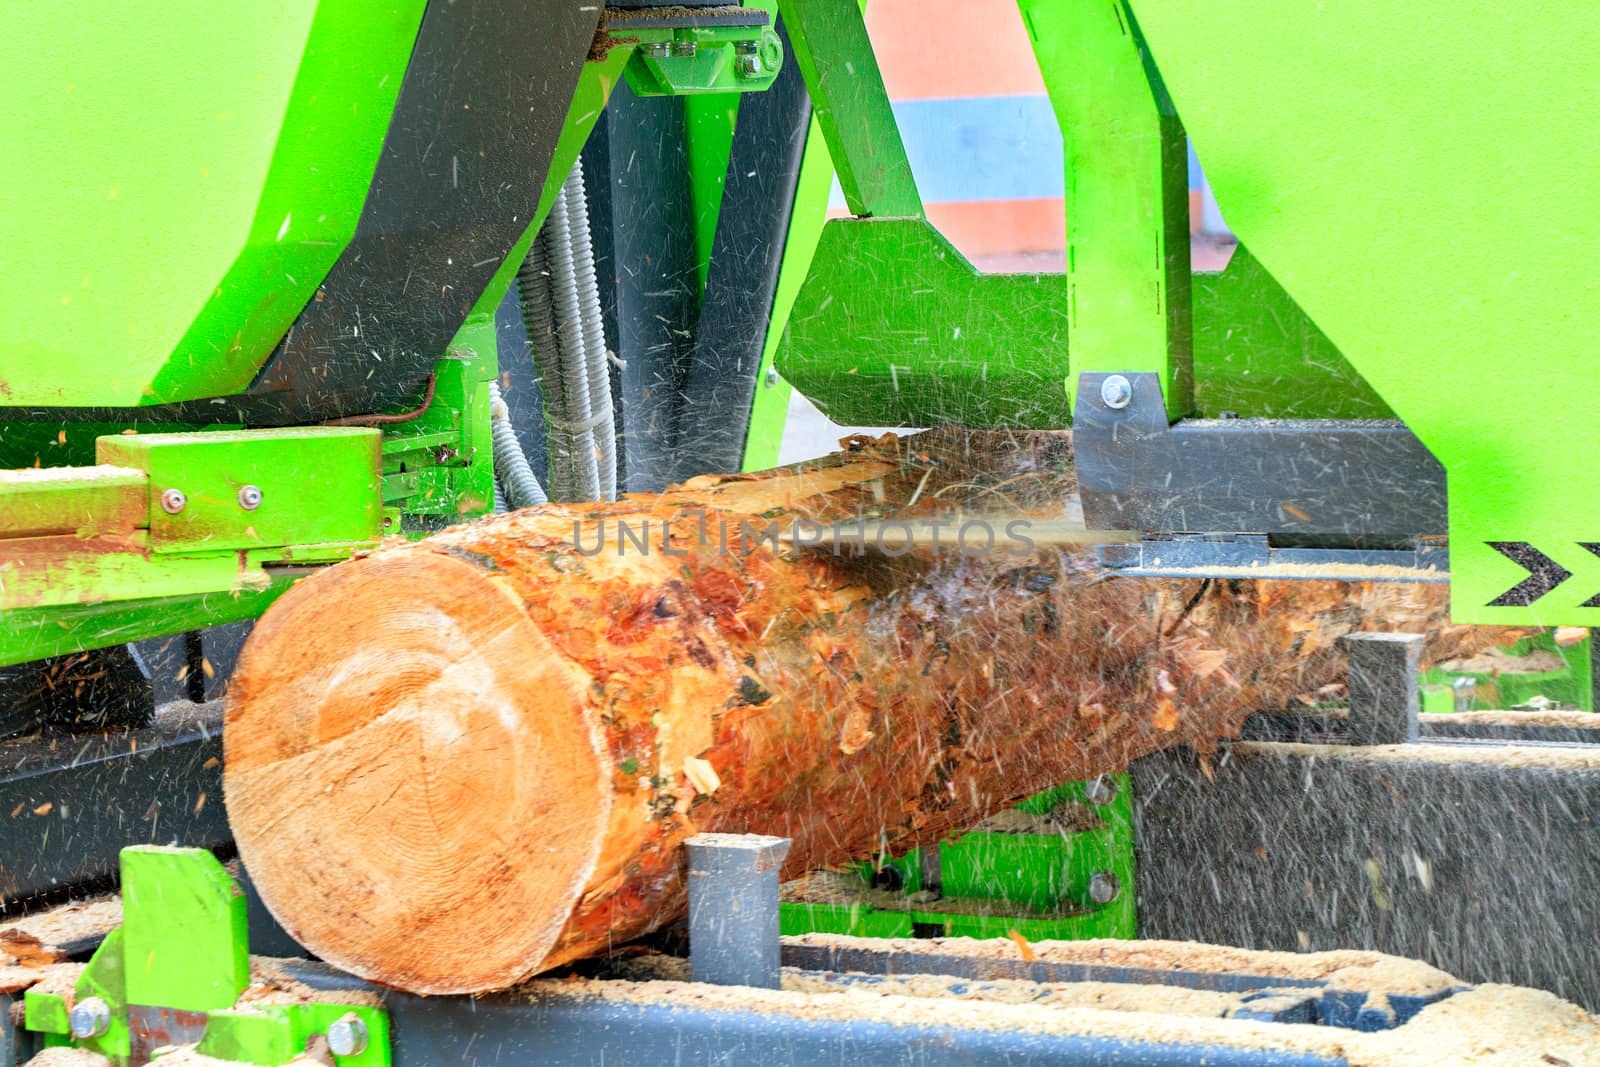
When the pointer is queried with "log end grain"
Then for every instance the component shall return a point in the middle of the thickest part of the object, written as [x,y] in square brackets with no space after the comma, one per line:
[442,786]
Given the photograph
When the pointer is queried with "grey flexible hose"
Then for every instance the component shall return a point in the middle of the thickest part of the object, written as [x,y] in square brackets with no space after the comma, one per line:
[594,337]
[514,477]
[538,315]
[575,414]
[561,309]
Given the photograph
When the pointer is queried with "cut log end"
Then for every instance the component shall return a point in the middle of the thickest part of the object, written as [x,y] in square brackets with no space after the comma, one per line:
[441,787]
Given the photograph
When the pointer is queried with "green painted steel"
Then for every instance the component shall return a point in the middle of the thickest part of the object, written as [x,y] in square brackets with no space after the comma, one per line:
[1256,352]
[1437,218]
[770,410]
[1032,884]
[82,502]
[184,946]
[96,557]
[183,928]
[103,977]
[830,43]
[37,633]
[313,485]
[695,60]
[1126,194]
[893,324]
[190,209]
[272,1034]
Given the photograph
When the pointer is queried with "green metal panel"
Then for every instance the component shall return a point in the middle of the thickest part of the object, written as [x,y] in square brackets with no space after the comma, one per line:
[830,43]
[1256,352]
[183,925]
[176,215]
[1035,885]
[316,485]
[35,633]
[894,324]
[1126,195]
[273,1034]
[106,977]
[688,61]
[84,501]
[1420,178]
[770,410]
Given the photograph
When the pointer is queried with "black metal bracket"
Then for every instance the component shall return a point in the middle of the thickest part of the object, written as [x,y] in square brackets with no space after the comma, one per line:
[1349,481]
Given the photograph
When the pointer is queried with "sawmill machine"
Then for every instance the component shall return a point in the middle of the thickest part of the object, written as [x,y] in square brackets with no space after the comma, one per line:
[284,280]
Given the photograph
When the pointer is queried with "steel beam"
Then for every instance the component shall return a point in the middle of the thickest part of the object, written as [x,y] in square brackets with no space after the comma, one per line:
[75,803]
[1478,859]
[1314,478]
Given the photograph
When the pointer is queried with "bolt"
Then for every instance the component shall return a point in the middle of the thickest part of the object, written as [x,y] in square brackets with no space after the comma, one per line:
[347,1035]
[686,49]
[173,501]
[1116,391]
[1100,791]
[749,66]
[249,497]
[1104,887]
[89,1018]
[656,50]
[747,48]
[772,377]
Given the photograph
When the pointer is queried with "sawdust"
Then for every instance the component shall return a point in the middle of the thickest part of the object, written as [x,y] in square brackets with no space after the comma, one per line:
[270,983]
[1343,969]
[1510,757]
[1490,1025]
[68,1056]
[79,921]
[1571,720]
[1105,996]
[51,978]
[1501,661]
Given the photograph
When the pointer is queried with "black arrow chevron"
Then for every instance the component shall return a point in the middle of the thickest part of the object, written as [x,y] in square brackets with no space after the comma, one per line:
[1544,574]
[1593,547]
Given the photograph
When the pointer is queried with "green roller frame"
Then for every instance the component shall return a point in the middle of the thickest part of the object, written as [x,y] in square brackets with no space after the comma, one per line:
[1041,886]
[173,972]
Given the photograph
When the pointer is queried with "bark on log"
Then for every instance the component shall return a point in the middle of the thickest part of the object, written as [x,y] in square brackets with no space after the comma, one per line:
[455,763]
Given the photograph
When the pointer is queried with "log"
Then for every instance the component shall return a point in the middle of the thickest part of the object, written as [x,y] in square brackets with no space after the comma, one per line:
[455,763]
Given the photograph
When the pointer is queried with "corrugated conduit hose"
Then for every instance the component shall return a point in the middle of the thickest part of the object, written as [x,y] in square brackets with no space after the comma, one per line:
[561,309]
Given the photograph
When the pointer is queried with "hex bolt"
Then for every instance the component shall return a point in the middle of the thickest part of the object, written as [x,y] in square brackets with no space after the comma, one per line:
[747,48]
[749,66]
[1104,887]
[250,497]
[90,1017]
[1116,392]
[173,501]
[685,49]
[656,49]
[1100,791]
[772,377]
[347,1035]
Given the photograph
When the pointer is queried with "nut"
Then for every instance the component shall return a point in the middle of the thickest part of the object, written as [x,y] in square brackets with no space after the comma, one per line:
[1104,887]
[90,1017]
[250,497]
[347,1035]
[173,501]
[1100,791]
[749,66]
